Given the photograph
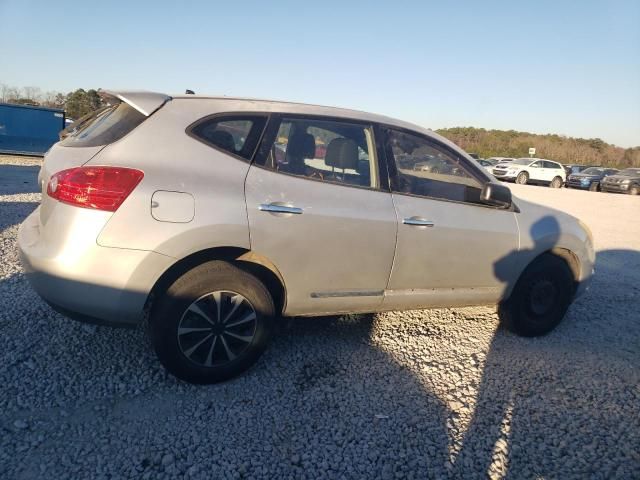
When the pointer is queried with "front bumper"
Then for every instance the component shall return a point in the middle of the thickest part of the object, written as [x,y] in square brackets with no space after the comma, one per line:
[577,184]
[615,187]
[86,281]
[503,175]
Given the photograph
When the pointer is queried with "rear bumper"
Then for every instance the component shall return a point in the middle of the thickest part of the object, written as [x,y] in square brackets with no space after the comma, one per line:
[86,281]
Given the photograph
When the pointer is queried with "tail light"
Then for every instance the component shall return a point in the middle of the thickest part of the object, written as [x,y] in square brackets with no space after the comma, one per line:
[100,188]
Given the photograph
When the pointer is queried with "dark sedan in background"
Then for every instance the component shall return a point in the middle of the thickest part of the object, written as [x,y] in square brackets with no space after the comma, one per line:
[590,178]
[625,181]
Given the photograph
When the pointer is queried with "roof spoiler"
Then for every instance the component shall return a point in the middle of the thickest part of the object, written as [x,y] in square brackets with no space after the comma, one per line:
[145,102]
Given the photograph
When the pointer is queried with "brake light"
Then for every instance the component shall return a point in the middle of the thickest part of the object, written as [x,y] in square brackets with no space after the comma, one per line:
[100,188]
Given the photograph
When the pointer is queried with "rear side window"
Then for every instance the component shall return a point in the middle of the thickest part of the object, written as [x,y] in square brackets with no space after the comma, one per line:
[326,150]
[237,135]
[104,127]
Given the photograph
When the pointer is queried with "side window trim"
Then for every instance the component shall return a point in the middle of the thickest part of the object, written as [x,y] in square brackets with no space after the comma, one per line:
[256,133]
[271,132]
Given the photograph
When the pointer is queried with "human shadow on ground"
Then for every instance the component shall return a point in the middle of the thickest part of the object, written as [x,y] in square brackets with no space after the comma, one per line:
[539,414]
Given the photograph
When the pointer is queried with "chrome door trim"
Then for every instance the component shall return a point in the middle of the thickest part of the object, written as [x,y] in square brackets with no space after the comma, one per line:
[275,208]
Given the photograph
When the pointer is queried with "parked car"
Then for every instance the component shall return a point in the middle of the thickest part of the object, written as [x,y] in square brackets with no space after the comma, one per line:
[178,210]
[434,165]
[574,168]
[486,164]
[590,178]
[625,181]
[497,160]
[532,170]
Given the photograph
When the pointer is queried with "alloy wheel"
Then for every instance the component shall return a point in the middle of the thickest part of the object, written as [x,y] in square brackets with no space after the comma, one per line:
[216,328]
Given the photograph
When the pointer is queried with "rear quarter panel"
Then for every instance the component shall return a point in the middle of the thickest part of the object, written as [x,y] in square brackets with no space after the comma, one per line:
[174,162]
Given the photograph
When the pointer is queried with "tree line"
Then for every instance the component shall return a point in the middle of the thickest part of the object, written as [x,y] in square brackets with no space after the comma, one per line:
[509,143]
[486,143]
[76,104]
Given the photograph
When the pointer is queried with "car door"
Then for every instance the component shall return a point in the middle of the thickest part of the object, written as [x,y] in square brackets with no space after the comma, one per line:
[451,249]
[318,212]
[537,171]
[554,170]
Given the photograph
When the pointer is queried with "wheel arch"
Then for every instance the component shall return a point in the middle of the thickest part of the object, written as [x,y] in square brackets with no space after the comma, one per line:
[252,262]
[569,257]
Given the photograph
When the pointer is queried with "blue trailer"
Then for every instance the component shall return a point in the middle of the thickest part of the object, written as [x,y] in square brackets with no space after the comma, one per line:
[28,130]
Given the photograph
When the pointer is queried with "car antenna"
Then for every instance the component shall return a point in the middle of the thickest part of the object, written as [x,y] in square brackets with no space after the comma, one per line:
[189,92]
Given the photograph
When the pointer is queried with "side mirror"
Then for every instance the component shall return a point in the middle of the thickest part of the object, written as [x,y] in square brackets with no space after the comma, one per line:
[496,195]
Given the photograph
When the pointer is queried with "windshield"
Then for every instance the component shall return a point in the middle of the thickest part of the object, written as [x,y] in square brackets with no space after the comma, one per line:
[522,161]
[629,172]
[593,171]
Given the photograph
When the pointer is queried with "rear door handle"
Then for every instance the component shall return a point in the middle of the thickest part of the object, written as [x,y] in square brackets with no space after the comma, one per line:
[279,208]
[418,222]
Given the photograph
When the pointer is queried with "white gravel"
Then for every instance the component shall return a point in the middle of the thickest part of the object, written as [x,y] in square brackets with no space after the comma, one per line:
[423,394]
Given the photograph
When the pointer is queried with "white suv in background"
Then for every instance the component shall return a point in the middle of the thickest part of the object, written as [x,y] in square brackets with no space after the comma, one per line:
[532,170]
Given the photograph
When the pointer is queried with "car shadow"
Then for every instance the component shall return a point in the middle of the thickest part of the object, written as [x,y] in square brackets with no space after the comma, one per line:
[16,179]
[13,213]
[354,405]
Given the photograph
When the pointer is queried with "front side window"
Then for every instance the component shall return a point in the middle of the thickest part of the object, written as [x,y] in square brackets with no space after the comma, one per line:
[325,150]
[421,167]
[236,135]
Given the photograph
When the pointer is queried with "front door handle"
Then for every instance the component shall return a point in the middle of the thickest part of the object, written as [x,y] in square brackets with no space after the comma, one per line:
[418,222]
[279,208]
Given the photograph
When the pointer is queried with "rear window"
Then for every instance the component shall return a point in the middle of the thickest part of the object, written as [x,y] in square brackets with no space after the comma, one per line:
[237,135]
[104,126]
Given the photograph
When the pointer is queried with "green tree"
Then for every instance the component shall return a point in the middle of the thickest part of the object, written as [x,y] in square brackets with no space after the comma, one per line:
[81,102]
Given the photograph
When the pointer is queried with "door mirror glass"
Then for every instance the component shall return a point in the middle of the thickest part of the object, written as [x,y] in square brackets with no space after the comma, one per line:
[496,195]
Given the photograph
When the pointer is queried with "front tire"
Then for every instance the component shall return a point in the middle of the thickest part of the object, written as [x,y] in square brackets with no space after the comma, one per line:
[635,190]
[594,187]
[540,297]
[522,178]
[212,323]
[556,182]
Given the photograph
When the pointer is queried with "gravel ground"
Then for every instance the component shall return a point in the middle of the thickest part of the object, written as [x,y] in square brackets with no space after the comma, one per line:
[422,394]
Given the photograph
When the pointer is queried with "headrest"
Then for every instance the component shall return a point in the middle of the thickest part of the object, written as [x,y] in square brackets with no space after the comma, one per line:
[301,145]
[223,140]
[342,153]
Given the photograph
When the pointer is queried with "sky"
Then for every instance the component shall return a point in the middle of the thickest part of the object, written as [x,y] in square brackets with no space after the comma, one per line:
[565,67]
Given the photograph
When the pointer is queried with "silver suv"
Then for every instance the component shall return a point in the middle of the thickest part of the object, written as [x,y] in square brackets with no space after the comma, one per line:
[214,216]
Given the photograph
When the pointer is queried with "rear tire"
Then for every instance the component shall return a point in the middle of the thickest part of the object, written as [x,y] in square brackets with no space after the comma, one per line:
[540,297]
[212,323]
[556,182]
[594,187]
[522,178]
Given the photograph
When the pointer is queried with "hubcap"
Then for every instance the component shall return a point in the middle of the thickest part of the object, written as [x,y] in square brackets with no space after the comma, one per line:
[542,297]
[216,328]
